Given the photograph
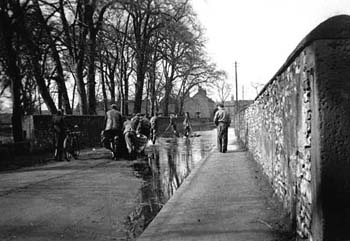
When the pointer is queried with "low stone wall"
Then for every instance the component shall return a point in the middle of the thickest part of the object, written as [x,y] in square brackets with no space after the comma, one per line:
[297,129]
[39,130]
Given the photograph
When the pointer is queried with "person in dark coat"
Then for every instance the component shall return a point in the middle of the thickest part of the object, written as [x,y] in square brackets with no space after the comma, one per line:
[154,127]
[144,127]
[129,136]
[59,128]
[222,120]
[187,125]
[113,127]
[172,123]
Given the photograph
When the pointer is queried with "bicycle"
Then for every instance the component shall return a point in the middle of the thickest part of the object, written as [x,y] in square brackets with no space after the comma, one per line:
[110,142]
[114,146]
[71,145]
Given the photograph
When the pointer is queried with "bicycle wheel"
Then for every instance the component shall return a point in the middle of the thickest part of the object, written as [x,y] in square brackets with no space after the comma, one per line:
[67,148]
[75,148]
[115,144]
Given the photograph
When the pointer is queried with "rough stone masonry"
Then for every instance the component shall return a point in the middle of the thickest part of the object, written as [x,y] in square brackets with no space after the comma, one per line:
[297,129]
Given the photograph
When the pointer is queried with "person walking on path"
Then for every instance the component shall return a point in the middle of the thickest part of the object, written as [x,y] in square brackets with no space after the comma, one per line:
[222,120]
[113,125]
[172,124]
[59,128]
[187,125]
[130,137]
[154,127]
[143,126]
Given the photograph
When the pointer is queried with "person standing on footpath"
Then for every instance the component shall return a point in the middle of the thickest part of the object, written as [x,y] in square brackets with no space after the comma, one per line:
[222,120]
[113,125]
[59,128]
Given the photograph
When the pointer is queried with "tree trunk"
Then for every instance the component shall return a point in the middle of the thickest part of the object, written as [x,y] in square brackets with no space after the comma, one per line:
[13,72]
[91,96]
[147,96]
[126,93]
[104,93]
[80,70]
[90,7]
[73,97]
[63,100]
[35,63]
[140,75]
[152,80]
[168,88]
[112,85]
[166,100]
[81,85]
[42,86]
[17,130]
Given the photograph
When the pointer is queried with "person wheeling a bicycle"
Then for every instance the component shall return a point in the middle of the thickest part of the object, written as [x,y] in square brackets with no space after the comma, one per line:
[113,128]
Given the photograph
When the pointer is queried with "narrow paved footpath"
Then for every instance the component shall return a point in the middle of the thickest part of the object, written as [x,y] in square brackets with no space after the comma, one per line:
[224,198]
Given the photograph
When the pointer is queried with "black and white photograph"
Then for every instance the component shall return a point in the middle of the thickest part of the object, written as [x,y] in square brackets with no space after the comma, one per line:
[174,120]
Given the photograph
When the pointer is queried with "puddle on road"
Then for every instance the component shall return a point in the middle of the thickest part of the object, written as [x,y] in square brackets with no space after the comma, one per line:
[166,166]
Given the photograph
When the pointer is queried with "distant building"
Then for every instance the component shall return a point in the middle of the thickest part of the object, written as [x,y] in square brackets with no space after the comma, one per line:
[146,107]
[242,104]
[199,105]
[172,106]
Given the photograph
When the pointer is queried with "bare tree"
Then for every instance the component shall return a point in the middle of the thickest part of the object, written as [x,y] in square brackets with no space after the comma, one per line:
[180,39]
[147,16]
[223,89]
[257,86]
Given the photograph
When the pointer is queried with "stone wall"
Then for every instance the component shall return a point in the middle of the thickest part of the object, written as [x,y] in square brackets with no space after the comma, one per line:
[39,132]
[297,129]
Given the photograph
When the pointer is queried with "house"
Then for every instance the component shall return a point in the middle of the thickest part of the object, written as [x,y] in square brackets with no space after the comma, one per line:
[172,106]
[199,105]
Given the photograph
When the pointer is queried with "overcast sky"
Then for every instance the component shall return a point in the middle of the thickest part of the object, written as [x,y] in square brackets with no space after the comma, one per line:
[259,34]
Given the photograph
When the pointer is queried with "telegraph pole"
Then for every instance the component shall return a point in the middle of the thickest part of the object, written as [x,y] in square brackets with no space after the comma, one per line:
[242,92]
[237,105]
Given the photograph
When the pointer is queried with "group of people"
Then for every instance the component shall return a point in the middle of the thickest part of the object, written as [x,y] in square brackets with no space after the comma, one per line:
[134,132]
[186,125]
[137,130]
